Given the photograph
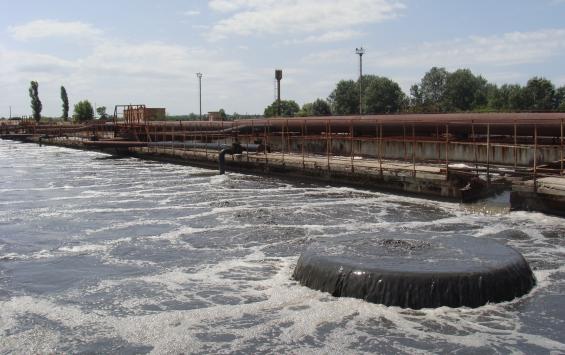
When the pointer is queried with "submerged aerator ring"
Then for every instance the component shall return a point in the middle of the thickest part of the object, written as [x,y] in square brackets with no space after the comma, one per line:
[416,273]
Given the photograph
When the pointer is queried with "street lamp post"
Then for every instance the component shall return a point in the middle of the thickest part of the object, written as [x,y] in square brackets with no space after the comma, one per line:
[199,75]
[360,51]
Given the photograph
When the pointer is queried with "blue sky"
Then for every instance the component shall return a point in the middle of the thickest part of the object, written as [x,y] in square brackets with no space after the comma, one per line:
[120,52]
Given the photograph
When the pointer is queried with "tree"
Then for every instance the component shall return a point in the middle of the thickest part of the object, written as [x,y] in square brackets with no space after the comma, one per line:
[539,94]
[83,111]
[102,112]
[560,99]
[288,108]
[416,100]
[344,100]
[464,91]
[306,110]
[36,105]
[432,89]
[65,105]
[321,107]
[382,95]
[222,114]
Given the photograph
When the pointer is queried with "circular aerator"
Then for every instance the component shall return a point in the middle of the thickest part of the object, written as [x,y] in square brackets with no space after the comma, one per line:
[416,273]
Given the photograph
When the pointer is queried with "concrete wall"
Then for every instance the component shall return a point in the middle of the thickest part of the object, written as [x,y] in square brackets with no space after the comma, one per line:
[426,151]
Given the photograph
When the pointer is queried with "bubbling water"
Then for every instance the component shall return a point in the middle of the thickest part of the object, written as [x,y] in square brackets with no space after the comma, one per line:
[130,256]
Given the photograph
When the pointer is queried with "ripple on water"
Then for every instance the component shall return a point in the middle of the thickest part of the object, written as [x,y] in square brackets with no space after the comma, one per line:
[128,256]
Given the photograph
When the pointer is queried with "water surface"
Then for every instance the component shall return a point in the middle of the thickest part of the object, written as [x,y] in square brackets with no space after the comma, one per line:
[101,255]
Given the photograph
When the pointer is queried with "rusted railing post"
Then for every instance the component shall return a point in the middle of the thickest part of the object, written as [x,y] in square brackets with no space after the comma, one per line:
[535,157]
[282,141]
[404,140]
[352,147]
[475,148]
[561,171]
[183,138]
[488,153]
[302,134]
[515,146]
[328,143]
[446,149]
[289,139]
[265,123]
[381,148]
[413,150]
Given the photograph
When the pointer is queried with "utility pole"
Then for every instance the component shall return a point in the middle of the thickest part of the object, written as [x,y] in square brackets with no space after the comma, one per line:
[360,51]
[199,75]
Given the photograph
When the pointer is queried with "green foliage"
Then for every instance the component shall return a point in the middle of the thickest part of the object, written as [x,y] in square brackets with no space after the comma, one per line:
[36,105]
[381,95]
[83,111]
[102,112]
[464,91]
[289,108]
[560,99]
[432,89]
[223,114]
[539,94]
[344,100]
[306,110]
[65,105]
[321,107]
[416,99]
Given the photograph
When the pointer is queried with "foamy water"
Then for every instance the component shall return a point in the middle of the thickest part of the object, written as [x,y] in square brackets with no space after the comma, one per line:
[121,255]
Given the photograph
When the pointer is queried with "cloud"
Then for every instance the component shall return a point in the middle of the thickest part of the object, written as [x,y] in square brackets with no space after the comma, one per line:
[328,56]
[334,36]
[115,71]
[191,13]
[52,28]
[253,17]
[501,50]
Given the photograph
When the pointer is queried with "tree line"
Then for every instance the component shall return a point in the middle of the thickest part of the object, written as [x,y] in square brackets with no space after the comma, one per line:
[83,110]
[439,91]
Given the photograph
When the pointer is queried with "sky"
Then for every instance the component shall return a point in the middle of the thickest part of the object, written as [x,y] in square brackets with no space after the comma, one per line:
[148,52]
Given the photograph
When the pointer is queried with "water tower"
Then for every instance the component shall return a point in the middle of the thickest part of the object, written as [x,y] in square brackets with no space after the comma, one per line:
[278,76]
